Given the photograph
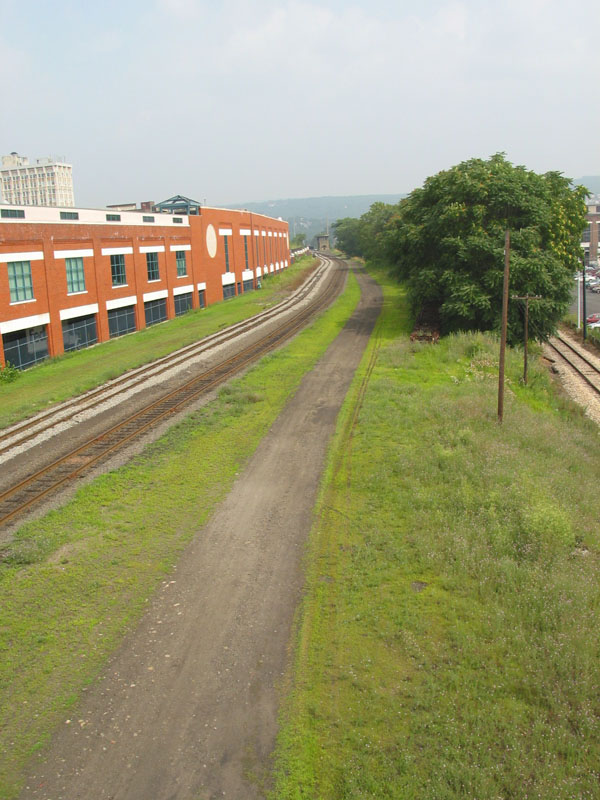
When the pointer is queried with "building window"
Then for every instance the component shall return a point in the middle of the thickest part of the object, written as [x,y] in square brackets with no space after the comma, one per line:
[75,275]
[69,215]
[257,259]
[586,234]
[229,291]
[183,303]
[117,270]
[177,220]
[152,266]
[147,219]
[155,311]
[181,263]
[79,332]
[246,250]
[13,213]
[226,240]
[19,281]
[26,347]
[248,285]
[113,218]
[121,321]
[202,298]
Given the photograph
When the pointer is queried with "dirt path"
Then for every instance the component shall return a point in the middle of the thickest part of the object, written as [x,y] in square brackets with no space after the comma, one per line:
[187,708]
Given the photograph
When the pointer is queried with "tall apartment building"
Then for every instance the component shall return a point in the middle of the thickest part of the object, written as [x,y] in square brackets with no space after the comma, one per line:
[48,182]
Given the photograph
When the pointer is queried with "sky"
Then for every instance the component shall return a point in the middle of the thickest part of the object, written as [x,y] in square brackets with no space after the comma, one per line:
[236,101]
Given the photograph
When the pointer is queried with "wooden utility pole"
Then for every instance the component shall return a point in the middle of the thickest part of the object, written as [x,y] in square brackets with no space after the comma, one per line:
[504,326]
[527,298]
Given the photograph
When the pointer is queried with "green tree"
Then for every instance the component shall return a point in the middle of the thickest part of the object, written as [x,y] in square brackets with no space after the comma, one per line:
[298,241]
[446,240]
[347,235]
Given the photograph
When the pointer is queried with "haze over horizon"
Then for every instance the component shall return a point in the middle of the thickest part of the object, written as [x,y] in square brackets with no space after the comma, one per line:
[238,102]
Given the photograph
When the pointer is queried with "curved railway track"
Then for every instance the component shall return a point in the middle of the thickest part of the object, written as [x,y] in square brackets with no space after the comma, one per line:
[577,361]
[21,497]
[23,432]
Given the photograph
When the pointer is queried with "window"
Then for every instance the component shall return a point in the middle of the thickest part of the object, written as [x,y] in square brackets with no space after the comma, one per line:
[79,332]
[26,347]
[181,263]
[121,321]
[226,253]
[246,250]
[248,285]
[183,303]
[152,266]
[202,298]
[229,291]
[19,281]
[155,311]
[17,213]
[69,215]
[147,219]
[113,218]
[75,275]
[177,220]
[117,269]
[586,234]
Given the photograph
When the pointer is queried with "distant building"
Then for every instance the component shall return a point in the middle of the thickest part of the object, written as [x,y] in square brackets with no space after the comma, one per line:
[590,240]
[48,182]
[323,242]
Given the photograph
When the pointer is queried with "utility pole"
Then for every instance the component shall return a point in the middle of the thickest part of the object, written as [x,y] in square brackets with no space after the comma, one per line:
[504,326]
[527,298]
[583,298]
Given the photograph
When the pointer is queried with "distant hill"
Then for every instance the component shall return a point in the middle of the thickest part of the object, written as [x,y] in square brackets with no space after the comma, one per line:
[314,215]
[591,182]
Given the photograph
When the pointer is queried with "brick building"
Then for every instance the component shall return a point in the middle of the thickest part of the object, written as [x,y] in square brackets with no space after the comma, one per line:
[590,240]
[69,279]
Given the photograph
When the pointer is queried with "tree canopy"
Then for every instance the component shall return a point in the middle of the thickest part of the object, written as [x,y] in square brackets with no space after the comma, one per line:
[446,240]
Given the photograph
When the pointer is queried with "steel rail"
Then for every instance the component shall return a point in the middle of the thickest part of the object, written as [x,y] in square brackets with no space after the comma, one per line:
[54,475]
[20,433]
[573,366]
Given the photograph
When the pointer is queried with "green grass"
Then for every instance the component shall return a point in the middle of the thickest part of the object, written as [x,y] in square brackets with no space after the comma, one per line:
[73,373]
[448,643]
[73,582]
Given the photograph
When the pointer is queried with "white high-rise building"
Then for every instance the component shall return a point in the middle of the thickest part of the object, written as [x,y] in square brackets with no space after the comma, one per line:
[48,182]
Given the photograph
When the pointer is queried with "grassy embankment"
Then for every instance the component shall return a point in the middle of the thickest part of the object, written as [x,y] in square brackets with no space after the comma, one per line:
[76,372]
[73,582]
[448,646]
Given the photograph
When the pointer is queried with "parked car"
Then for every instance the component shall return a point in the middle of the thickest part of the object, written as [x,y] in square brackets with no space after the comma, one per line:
[592,318]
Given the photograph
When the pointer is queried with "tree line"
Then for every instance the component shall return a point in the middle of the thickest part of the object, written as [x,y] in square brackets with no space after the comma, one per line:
[445,241]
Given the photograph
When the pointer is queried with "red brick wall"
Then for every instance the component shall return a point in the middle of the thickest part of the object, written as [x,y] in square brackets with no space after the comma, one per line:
[49,274]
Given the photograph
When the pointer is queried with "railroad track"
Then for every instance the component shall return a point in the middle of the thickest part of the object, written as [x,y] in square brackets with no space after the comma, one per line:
[27,430]
[577,361]
[27,493]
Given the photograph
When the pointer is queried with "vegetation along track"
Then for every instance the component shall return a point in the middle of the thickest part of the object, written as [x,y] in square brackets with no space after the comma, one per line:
[577,361]
[23,495]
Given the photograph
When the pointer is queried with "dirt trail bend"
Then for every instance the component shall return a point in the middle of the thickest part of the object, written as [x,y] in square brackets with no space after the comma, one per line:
[187,708]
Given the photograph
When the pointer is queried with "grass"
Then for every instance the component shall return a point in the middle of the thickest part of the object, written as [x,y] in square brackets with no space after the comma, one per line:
[448,643]
[101,556]
[73,373]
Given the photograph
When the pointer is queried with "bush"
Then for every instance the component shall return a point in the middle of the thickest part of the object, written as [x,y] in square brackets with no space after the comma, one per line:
[8,374]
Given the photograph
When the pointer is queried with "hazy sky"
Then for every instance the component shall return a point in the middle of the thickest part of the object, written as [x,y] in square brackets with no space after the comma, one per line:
[237,101]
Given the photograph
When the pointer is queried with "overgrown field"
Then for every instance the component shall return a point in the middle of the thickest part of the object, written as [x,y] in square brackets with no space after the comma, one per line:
[76,372]
[448,645]
[73,582]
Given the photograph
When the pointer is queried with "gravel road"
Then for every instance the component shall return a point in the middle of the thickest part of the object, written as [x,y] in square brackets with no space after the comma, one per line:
[187,708]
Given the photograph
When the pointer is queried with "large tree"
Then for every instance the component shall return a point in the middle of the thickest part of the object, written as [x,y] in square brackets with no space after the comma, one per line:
[446,240]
